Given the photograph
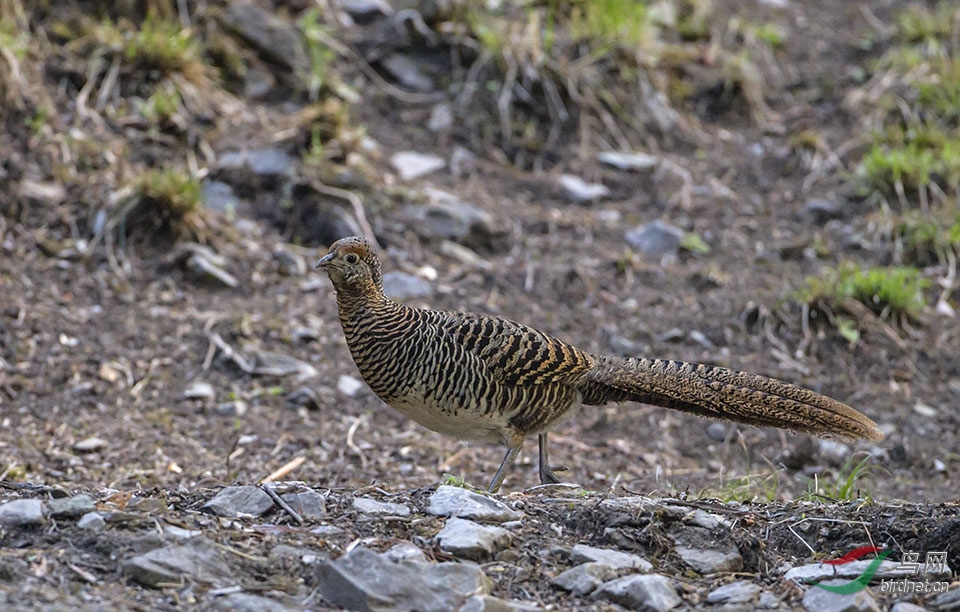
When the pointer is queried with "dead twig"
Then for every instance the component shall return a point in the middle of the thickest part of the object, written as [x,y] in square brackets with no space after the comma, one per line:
[283,505]
[284,469]
[352,445]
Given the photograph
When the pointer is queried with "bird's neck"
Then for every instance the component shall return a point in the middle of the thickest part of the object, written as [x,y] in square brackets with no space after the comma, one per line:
[362,302]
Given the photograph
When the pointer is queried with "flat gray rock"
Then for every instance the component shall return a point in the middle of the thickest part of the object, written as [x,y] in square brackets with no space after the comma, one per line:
[462,503]
[248,602]
[274,38]
[585,578]
[368,505]
[822,600]
[92,521]
[270,363]
[310,505]
[708,561]
[610,557]
[628,161]
[403,286]
[21,512]
[70,507]
[466,539]
[240,502]
[736,592]
[197,559]
[449,217]
[411,165]
[580,190]
[656,240]
[365,580]
[641,592]
[489,603]
[814,572]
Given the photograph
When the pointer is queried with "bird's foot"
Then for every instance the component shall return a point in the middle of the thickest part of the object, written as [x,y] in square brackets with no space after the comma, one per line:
[548,475]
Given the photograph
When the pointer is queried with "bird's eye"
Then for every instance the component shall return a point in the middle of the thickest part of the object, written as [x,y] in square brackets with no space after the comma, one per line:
[351,258]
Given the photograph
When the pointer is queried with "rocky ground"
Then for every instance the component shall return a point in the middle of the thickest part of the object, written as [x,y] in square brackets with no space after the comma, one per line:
[181,426]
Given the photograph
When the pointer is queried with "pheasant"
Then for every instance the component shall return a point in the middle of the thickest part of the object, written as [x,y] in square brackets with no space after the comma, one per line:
[487,378]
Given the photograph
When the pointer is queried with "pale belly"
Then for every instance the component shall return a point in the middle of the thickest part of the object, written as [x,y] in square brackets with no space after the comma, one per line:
[461,423]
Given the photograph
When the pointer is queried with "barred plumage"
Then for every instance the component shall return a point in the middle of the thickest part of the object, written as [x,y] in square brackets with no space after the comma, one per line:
[489,378]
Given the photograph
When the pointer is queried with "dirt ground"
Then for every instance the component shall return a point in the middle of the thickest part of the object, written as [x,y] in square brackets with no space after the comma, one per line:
[95,358]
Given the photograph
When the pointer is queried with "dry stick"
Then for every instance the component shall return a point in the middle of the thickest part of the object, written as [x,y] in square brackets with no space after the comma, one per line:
[357,204]
[352,445]
[284,469]
[284,505]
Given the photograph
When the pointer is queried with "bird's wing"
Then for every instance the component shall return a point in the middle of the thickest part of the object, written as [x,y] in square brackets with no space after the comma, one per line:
[515,353]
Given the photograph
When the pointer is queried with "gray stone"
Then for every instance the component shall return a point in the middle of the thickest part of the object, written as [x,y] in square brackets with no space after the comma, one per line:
[351,386]
[288,262]
[819,211]
[406,71]
[656,240]
[240,502]
[462,503]
[834,452]
[309,504]
[269,363]
[206,271]
[219,197]
[92,521]
[199,390]
[711,561]
[822,600]
[89,445]
[449,217]
[815,572]
[21,512]
[469,540]
[947,601]
[172,532]
[769,600]
[277,40]
[441,118]
[365,580]
[489,603]
[363,11]
[304,397]
[197,559]
[462,162]
[248,602]
[585,578]
[736,592]
[702,518]
[406,551]
[402,286]
[263,162]
[412,165]
[634,504]
[581,191]
[607,556]
[71,507]
[233,408]
[628,161]
[368,505]
[906,606]
[641,592]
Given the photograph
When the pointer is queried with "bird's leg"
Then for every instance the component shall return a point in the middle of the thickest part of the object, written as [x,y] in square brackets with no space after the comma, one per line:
[546,470]
[512,450]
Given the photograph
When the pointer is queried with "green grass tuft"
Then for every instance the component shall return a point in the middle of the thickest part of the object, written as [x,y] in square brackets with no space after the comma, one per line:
[888,292]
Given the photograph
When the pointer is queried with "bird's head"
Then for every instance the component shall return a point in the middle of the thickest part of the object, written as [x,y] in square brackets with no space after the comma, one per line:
[352,265]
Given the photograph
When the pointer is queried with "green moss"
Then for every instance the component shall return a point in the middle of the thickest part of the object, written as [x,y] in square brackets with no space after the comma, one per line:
[173,194]
[624,23]
[888,292]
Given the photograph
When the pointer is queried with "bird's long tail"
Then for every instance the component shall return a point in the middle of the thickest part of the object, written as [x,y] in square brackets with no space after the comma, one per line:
[720,393]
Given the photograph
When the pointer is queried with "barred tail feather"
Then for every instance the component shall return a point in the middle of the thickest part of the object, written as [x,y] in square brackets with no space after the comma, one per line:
[720,393]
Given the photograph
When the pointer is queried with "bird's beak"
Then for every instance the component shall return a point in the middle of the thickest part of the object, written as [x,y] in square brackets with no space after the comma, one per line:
[326,259]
